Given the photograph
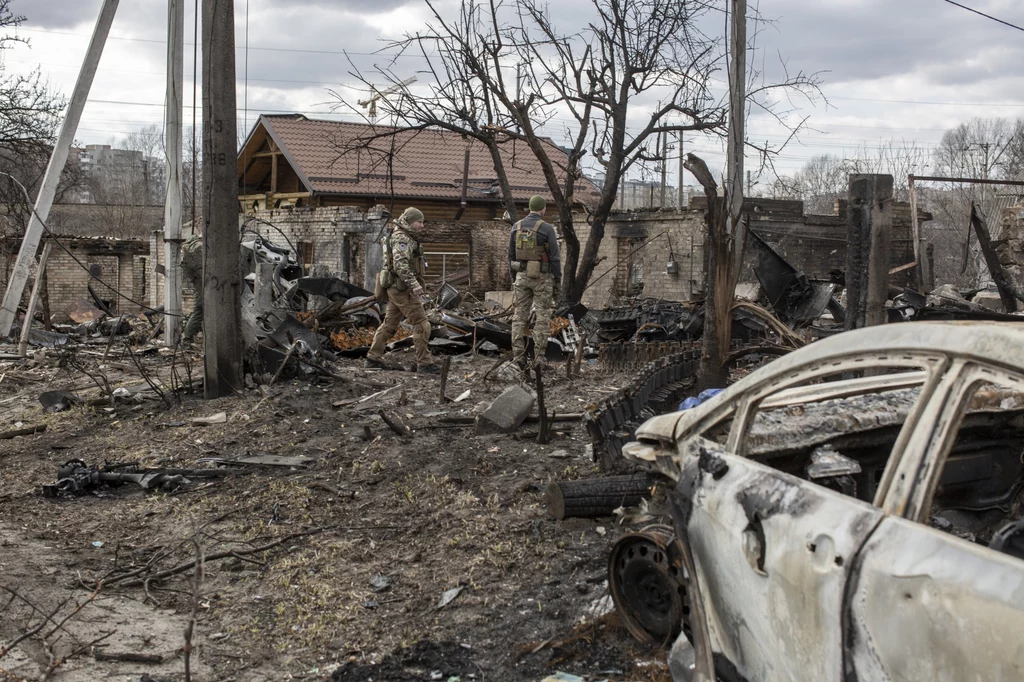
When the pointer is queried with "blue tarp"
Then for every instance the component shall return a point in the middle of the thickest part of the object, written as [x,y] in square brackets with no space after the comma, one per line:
[704,395]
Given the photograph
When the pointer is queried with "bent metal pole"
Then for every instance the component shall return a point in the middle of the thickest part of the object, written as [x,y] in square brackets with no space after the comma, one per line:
[41,211]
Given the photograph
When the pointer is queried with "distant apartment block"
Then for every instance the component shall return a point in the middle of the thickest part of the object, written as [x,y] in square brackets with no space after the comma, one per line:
[121,175]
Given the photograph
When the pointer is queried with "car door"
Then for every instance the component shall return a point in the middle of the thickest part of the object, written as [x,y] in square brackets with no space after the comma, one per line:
[773,555]
[925,605]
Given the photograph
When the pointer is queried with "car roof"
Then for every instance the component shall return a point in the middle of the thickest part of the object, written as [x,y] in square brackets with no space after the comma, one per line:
[995,343]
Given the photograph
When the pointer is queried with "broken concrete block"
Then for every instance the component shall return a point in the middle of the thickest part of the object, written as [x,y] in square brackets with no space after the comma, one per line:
[507,412]
[501,299]
[989,299]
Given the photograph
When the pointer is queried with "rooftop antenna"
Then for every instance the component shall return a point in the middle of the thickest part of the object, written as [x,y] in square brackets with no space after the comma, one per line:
[371,104]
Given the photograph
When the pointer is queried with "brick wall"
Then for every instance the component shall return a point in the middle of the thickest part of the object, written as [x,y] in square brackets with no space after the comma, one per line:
[816,244]
[67,281]
[639,244]
[339,237]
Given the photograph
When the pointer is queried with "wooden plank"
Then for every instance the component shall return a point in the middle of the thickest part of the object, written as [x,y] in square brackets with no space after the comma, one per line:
[273,173]
[28,431]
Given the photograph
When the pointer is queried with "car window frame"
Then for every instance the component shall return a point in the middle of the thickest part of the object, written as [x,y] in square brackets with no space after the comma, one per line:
[934,364]
[925,461]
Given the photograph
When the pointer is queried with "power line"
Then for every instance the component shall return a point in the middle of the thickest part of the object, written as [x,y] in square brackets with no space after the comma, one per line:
[987,16]
[261,49]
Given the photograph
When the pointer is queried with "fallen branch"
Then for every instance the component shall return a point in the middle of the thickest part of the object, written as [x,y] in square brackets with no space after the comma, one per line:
[189,565]
[197,579]
[399,428]
[284,363]
[127,657]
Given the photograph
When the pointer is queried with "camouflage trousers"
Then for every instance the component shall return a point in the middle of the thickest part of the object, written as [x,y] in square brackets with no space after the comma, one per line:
[538,293]
[402,304]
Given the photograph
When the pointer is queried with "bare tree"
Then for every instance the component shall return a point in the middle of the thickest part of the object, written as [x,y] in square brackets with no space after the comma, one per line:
[981,148]
[631,51]
[825,177]
[503,72]
[453,98]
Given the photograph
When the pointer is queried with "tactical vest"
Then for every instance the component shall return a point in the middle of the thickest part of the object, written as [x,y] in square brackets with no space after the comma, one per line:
[527,248]
[415,258]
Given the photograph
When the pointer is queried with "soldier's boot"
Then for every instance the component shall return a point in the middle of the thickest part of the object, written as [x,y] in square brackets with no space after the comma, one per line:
[375,363]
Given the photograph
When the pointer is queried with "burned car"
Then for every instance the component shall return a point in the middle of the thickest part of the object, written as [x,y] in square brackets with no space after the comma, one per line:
[852,511]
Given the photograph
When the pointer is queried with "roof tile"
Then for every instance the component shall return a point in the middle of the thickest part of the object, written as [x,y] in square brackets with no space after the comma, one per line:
[427,163]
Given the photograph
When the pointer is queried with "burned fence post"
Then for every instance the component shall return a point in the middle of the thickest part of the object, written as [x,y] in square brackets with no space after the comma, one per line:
[445,366]
[867,254]
[1008,292]
[542,432]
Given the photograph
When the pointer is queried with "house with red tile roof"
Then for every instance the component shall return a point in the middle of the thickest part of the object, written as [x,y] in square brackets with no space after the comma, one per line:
[295,161]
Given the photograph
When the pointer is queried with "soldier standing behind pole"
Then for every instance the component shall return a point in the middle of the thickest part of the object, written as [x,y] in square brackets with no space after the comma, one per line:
[192,271]
[537,278]
[401,277]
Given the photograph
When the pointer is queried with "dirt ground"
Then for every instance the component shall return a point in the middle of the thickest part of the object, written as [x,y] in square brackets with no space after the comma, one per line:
[331,571]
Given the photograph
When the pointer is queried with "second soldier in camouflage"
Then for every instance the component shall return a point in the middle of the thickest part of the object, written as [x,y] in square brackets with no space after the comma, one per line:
[537,278]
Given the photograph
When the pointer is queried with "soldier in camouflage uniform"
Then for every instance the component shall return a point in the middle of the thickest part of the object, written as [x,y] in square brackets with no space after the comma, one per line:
[192,273]
[537,278]
[402,279]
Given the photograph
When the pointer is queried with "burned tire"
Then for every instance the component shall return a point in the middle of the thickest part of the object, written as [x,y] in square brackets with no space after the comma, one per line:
[649,584]
[592,498]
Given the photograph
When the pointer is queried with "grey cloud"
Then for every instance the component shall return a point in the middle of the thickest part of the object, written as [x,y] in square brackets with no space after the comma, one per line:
[872,40]
[56,14]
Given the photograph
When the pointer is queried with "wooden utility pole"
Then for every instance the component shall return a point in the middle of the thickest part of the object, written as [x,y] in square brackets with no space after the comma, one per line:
[221,277]
[44,200]
[867,252]
[737,136]
[172,202]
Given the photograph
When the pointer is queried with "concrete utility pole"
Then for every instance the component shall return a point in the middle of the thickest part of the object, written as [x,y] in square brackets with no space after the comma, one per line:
[221,277]
[44,200]
[867,252]
[172,202]
[680,203]
[664,167]
[737,117]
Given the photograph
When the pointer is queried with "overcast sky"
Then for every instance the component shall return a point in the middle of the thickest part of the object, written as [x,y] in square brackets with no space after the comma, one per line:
[906,70]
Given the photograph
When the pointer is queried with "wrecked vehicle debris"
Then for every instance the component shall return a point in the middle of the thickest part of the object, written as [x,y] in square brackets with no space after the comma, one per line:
[792,295]
[883,463]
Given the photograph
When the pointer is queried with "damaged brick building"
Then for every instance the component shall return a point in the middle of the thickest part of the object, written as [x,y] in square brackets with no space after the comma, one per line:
[660,253]
[324,185]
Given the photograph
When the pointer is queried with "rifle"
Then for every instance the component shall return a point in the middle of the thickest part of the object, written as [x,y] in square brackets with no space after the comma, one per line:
[75,477]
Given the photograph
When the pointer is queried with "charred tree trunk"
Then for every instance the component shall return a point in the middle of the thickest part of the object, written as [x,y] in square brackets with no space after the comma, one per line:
[588,261]
[718,262]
